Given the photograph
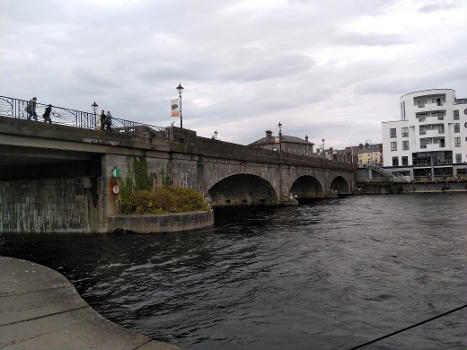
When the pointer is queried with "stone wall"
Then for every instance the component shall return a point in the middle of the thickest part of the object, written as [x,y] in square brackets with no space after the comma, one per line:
[46,205]
[161,223]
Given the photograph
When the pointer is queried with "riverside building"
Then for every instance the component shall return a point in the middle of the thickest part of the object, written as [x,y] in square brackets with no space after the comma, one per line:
[430,140]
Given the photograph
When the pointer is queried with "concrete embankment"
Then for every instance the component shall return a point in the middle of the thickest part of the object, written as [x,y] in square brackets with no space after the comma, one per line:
[161,223]
[390,187]
[40,309]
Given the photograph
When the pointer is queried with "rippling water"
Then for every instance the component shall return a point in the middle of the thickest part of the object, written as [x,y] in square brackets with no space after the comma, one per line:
[329,275]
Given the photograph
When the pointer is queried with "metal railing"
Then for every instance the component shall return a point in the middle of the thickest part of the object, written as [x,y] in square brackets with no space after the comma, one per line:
[16,108]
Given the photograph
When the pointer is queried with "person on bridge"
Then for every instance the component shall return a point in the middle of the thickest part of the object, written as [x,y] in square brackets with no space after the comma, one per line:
[102,116]
[31,109]
[46,114]
[108,122]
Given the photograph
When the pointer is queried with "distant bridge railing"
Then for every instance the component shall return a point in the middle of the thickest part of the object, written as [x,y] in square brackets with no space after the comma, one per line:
[16,108]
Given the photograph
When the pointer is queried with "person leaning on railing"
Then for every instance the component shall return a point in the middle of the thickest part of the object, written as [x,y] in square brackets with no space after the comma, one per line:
[31,109]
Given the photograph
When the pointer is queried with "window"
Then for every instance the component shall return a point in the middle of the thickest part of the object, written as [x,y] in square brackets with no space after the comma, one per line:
[457,127]
[403,110]
[405,131]
[456,114]
[457,141]
[458,158]
[392,133]
[438,101]
[395,161]
[405,145]
[405,160]
[393,146]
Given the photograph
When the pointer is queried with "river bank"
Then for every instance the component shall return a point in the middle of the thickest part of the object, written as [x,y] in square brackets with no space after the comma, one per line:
[40,309]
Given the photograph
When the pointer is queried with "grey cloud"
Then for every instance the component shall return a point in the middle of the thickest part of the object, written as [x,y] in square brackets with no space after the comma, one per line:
[438,6]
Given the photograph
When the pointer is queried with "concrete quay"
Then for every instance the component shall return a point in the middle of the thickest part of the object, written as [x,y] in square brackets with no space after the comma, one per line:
[40,309]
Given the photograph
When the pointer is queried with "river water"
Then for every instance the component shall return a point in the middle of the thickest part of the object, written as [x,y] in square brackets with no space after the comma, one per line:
[329,275]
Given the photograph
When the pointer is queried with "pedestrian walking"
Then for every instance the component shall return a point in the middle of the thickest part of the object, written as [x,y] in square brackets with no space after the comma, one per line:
[108,122]
[102,116]
[31,109]
[46,114]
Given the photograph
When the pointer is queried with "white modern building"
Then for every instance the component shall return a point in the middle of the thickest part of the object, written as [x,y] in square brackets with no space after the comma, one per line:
[430,139]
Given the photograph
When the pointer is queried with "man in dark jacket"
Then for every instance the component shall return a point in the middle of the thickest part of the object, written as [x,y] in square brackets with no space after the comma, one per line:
[102,120]
[31,109]
[108,122]
[46,114]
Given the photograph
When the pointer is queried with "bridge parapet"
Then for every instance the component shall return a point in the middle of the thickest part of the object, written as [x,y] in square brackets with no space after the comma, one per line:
[16,108]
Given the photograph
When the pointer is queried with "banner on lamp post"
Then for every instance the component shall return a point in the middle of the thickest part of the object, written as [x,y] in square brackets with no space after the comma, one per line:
[277,139]
[175,107]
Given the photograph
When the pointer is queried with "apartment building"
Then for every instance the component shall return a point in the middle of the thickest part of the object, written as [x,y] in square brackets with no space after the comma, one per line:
[430,139]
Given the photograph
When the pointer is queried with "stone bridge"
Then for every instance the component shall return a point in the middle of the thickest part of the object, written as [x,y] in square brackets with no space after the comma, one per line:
[58,178]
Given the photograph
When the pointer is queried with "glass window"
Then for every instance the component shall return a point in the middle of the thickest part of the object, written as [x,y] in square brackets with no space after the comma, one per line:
[405,160]
[457,127]
[405,145]
[457,141]
[456,114]
[393,146]
[395,161]
[392,132]
[405,131]
[458,158]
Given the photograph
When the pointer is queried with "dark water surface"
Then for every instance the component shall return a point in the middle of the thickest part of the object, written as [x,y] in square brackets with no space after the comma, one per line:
[329,275]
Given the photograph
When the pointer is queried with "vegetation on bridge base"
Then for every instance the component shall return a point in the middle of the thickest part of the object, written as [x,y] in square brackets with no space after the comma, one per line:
[164,200]
[138,198]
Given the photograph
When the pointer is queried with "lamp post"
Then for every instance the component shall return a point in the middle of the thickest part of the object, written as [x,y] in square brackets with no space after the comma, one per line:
[215,134]
[324,153]
[94,108]
[180,90]
[280,136]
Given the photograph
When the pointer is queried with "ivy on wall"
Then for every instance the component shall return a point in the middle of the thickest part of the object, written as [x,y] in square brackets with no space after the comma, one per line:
[143,181]
[137,179]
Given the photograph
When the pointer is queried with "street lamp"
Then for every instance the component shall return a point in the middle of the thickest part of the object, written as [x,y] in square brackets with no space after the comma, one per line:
[180,90]
[324,153]
[280,136]
[215,134]
[94,108]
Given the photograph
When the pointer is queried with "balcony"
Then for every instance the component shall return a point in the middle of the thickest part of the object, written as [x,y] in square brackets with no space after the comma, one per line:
[432,147]
[431,133]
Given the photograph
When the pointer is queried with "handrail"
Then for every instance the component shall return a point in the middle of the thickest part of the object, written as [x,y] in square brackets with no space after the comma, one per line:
[16,108]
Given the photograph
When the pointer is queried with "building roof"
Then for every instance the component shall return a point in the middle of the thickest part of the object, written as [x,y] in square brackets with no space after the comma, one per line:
[284,138]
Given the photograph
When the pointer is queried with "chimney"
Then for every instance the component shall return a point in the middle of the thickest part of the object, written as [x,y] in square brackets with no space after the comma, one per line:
[269,136]
[306,138]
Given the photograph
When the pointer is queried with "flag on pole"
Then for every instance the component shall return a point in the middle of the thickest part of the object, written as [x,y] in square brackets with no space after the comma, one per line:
[277,139]
[175,108]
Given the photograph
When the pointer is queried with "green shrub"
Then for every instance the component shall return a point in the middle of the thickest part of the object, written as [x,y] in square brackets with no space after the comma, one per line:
[165,200]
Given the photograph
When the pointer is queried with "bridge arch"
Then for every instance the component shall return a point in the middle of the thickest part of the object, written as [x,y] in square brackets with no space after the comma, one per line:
[339,185]
[242,189]
[305,188]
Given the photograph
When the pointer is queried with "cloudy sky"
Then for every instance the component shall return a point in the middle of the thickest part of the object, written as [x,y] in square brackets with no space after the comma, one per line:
[330,69]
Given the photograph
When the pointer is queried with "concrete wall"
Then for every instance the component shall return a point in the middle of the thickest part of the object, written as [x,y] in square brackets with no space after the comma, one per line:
[161,223]
[387,187]
[47,205]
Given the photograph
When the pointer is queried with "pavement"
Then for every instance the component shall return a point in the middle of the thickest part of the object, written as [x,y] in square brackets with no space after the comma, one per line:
[41,309]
